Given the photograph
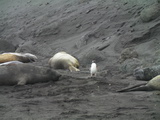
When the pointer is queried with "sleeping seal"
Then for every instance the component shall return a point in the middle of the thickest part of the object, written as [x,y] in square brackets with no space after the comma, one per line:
[10,63]
[153,84]
[21,74]
[146,73]
[63,60]
[22,57]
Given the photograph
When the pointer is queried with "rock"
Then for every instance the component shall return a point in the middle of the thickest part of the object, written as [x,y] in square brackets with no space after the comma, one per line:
[150,13]
[127,53]
[78,25]
[129,65]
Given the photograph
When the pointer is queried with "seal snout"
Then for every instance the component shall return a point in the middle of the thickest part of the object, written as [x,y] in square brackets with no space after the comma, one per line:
[31,57]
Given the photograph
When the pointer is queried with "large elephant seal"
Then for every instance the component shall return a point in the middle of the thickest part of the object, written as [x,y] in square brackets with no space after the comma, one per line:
[146,73]
[21,74]
[22,57]
[63,60]
[153,84]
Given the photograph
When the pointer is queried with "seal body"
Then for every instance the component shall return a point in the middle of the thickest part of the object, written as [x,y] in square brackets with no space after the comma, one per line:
[153,84]
[63,60]
[22,57]
[21,74]
[10,63]
[93,69]
[146,73]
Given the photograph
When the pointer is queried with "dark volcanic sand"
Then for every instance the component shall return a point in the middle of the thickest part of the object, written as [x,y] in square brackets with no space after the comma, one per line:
[78,99]
[44,27]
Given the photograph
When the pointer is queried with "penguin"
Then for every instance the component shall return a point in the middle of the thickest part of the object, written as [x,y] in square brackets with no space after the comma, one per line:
[93,69]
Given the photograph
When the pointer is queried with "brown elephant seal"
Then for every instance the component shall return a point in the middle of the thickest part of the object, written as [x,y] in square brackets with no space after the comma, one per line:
[63,60]
[22,57]
[21,74]
[153,84]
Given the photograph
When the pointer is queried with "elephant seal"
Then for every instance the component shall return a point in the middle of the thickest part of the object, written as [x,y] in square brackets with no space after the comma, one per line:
[10,63]
[21,74]
[153,84]
[146,73]
[93,69]
[22,57]
[63,60]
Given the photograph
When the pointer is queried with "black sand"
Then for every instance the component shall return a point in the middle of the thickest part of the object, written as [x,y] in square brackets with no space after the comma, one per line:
[87,29]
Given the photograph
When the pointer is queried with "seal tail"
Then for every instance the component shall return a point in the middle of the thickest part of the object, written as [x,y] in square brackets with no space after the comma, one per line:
[140,87]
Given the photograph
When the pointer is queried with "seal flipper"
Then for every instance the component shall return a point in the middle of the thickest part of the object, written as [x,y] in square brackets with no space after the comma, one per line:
[140,87]
[72,68]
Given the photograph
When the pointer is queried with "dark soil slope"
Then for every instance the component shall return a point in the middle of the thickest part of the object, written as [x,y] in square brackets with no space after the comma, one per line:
[119,34]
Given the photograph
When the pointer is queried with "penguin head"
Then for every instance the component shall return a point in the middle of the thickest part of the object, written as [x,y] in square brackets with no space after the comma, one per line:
[93,61]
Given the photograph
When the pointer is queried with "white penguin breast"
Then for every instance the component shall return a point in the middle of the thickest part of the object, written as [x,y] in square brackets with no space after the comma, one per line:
[93,68]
